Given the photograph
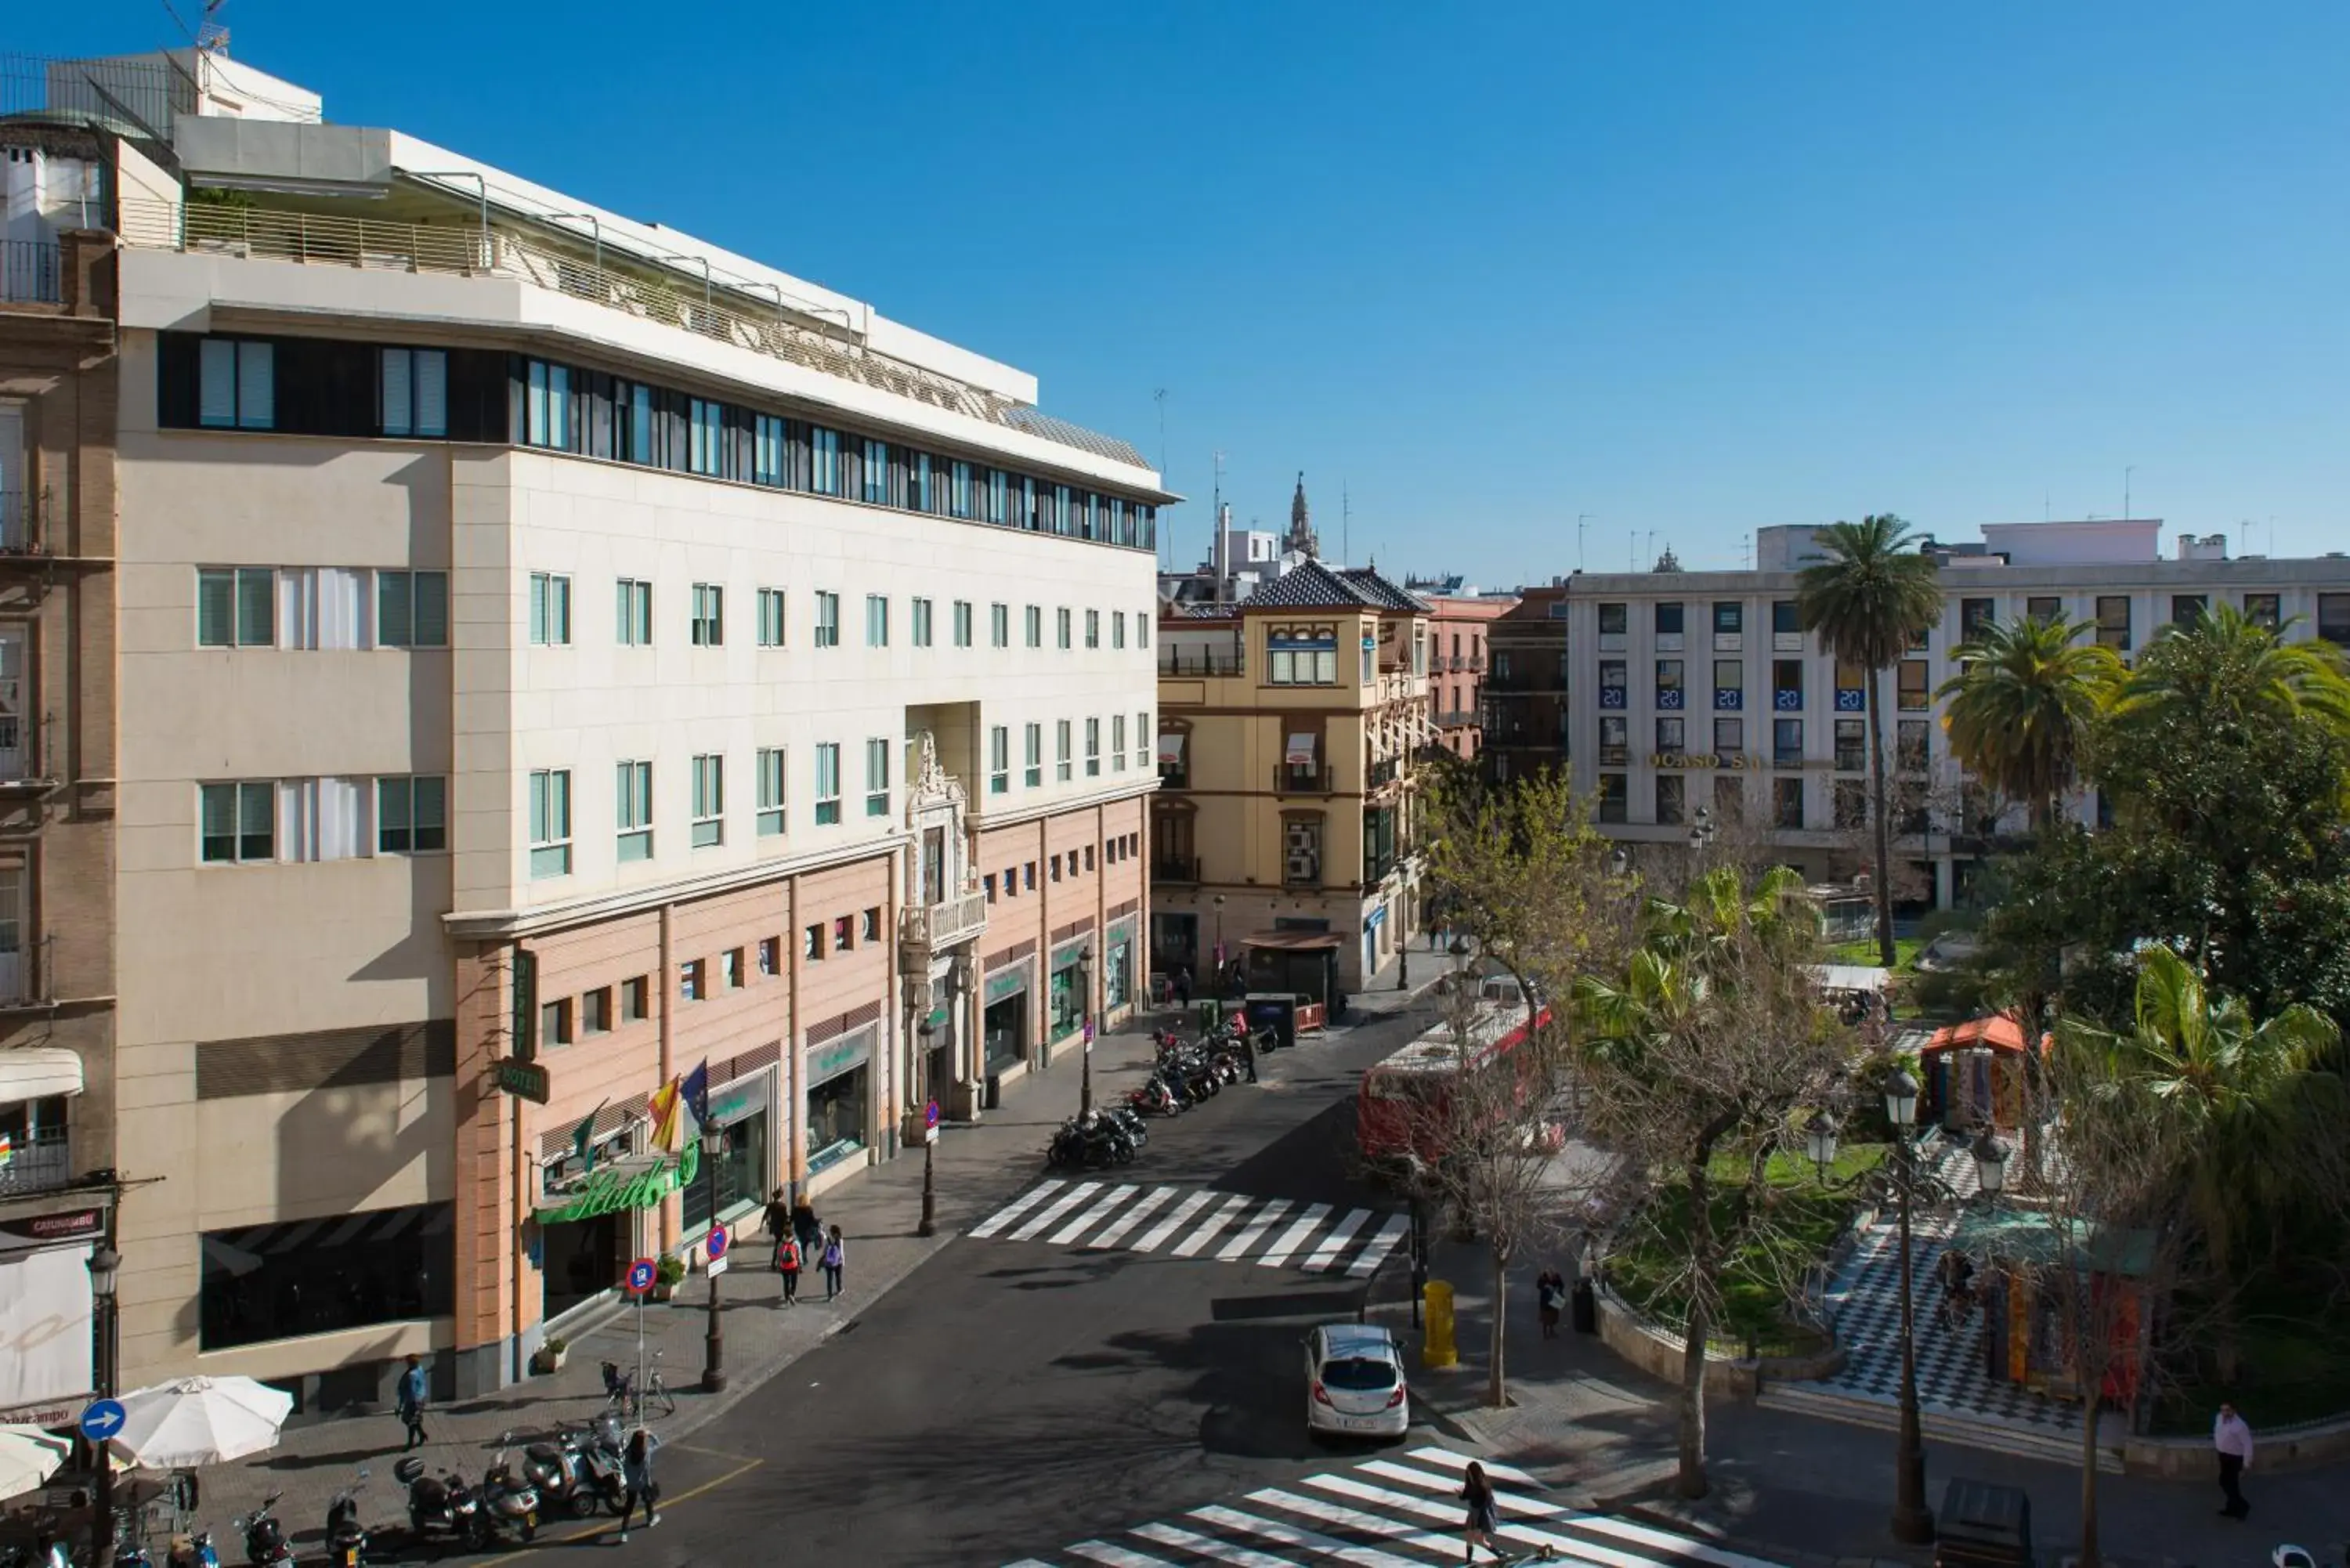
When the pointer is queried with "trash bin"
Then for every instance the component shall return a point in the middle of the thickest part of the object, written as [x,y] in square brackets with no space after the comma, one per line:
[991,1096]
[1585,1304]
[1983,1525]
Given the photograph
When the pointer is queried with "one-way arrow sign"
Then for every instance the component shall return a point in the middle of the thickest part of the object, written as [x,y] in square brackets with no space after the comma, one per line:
[101,1419]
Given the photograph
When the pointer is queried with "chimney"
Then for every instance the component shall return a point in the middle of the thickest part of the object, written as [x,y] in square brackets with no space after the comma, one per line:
[2187,546]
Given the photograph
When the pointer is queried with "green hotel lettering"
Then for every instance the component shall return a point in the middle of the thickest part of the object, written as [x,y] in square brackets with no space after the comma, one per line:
[612,1191]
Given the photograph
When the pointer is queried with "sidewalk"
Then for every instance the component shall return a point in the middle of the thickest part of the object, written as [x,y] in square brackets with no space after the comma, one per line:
[1383,998]
[1788,1488]
[978,1168]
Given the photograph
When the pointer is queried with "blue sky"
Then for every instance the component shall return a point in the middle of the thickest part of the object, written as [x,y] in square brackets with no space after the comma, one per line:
[1691,269]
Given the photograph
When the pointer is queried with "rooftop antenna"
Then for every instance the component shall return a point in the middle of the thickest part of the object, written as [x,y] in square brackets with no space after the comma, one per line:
[1652,546]
[209,35]
[1632,550]
[1345,524]
[1745,552]
[1582,520]
[1158,396]
[2126,491]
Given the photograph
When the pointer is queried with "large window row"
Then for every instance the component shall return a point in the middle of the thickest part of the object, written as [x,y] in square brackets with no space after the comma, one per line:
[247,822]
[1123,743]
[310,386]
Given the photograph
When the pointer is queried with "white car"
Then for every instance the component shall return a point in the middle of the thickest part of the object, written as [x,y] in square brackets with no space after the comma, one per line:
[1353,1383]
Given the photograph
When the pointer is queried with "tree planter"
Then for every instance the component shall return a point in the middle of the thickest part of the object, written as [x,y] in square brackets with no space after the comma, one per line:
[545,1362]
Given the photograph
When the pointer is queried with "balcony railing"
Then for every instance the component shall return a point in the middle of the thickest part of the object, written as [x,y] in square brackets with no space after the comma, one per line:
[946,923]
[20,762]
[40,1163]
[1200,661]
[803,332]
[24,522]
[1291,780]
[1382,773]
[1174,777]
[29,272]
[1457,718]
[1174,868]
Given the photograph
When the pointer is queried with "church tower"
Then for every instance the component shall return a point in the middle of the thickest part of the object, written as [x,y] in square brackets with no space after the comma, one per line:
[1302,537]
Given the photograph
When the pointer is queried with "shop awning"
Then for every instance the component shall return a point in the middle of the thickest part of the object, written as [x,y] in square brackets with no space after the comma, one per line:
[1301,752]
[37,1073]
[1999,1031]
[633,1181]
[1171,748]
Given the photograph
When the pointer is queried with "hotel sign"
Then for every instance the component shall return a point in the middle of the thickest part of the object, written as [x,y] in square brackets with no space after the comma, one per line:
[1741,761]
[630,1183]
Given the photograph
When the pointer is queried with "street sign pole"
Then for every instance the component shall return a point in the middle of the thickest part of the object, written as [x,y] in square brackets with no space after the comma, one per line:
[639,1283]
[713,1334]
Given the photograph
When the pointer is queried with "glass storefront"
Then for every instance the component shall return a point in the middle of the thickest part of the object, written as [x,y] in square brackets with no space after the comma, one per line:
[580,1260]
[316,1276]
[1118,973]
[1006,1029]
[839,1074]
[738,1160]
[1068,1000]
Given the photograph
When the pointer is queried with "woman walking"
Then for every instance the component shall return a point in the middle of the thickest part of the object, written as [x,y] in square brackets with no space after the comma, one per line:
[787,1264]
[834,1258]
[1550,1295]
[636,1474]
[1484,1520]
[807,1229]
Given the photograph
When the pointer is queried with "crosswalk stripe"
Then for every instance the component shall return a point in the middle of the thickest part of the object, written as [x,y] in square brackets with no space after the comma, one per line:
[1331,1248]
[1029,1228]
[1088,1219]
[1294,1237]
[1681,1546]
[1114,1556]
[1118,1227]
[1293,1536]
[1409,1536]
[1382,1245]
[1208,1546]
[1253,1231]
[1445,1458]
[1206,1230]
[1013,1210]
[1156,1234]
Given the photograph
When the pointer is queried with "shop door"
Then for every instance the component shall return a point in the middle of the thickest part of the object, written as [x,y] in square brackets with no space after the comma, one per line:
[934,866]
[580,1261]
[1006,1034]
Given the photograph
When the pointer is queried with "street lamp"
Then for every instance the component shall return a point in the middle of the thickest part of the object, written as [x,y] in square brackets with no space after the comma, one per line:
[1085,1011]
[1913,1521]
[926,1030]
[713,1331]
[1990,1154]
[1820,1141]
[1701,831]
[105,1263]
[1618,862]
[1220,945]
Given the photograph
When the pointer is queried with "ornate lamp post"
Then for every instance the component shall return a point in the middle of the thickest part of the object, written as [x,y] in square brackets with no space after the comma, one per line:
[1913,1521]
[104,1264]
[927,1031]
[1990,1153]
[1086,1010]
[713,1331]
[1702,828]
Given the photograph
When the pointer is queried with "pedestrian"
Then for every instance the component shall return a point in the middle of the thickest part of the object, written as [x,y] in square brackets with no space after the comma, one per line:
[834,1256]
[2233,1440]
[1550,1294]
[1182,986]
[410,1401]
[807,1228]
[778,1215]
[787,1264]
[1484,1520]
[637,1475]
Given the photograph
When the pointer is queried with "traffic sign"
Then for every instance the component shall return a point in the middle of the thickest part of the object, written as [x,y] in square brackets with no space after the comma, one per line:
[930,1115]
[101,1419]
[714,1246]
[641,1274]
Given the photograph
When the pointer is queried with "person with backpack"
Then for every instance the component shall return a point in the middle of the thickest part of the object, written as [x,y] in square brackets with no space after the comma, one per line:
[636,1474]
[787,1264]
[834,1259]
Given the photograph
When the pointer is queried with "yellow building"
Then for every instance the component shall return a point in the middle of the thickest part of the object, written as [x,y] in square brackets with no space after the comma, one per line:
[1288,725]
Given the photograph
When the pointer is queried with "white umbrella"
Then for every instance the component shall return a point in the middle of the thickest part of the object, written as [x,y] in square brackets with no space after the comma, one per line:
[29,1456]
[199,1421]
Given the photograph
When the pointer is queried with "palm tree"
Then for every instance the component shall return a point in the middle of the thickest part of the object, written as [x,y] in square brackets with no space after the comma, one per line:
[1872,597]
[2022,704]
[2223,666]
[2251,1103]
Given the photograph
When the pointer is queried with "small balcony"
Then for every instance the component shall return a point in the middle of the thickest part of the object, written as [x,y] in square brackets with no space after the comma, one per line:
[1201,661]
[25,524]
[946,924]
[31,273]
[1288,778]
[39,1161]
[1384,772]
[1175,868]
[20,763]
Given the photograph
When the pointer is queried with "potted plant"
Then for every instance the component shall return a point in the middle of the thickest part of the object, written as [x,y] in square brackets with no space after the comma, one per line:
[551,1352]
[667,1275]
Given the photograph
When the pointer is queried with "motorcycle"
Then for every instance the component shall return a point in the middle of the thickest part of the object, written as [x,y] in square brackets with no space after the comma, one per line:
[564,1473]
[509,1505]
[1154,1099]
[265,1538]
[194,1549]
[1130,1121]
[1091,1140]
[347,1538]
[442,1505]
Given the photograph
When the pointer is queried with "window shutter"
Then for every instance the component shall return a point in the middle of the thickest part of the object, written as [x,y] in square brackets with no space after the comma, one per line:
[432,376]
[256,386]
[256,594]
[394,622]
[397,397]
[216,382]
[540,630]
[216,609]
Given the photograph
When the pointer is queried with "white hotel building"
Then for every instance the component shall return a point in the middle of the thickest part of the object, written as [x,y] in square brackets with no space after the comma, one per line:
[1667,691]
[505,655]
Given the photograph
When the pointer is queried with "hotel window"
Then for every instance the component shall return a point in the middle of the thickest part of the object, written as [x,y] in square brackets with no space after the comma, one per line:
[1061,629]
[1668,681]
[828,783]
[771,956]
[2044,608]
[2263,610]
[2333,618]
[959,490]
[768,449]
[876,620]
[596,1012]
[1301,659]
[633,612]
[921,628]
[1785,620]
[632,796]
[411,815]
[1370,660]
[1615,740]
[1062,730]
[1117,628]
[1729,737]
[2188,609]
[236,385]
[238,821]
[998,508]
[1032,756]
[693,982]
[550,610]
[709,801]
[1142,629]
[415,392]
[1668,620]
[412,610]
[1787,802]
[876,778]
[636,999]
[550,822]
[706,437]
[1729,617]
[1614,675]
[769,766]
[1093,628]
[877,472]
[1670,798]
[871,924]
[1851,688]
[844,933]
[1975,616]
[771,618]
[827,620]
[1729,685]
[1851,746]
[555,1023]
[1670,735]
[1036,627]
[1613,797]
[1911,692]
[999,626]
[1787,742]
[1142,733]
[999,760]
[2113,621]
[709,615]
[963,623]
[812,941]
[1615,620]
[1093,748]
[237,607]
[730,969]
[824,451]
[1787,685]
[547,407]
[1118,743]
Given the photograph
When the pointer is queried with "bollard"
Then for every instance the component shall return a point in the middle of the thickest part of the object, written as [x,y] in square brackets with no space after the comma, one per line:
[1437,1350]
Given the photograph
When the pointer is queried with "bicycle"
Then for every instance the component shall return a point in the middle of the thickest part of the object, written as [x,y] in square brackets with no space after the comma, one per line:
[621,1392]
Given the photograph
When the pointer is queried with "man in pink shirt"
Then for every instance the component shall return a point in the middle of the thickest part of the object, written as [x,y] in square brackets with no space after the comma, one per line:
[2233,1441]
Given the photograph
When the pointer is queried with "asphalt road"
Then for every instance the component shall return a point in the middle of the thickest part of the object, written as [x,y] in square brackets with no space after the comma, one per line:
[1010,1397]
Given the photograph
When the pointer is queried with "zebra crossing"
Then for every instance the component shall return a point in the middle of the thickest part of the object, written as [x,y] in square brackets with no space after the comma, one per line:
[1199,1222]
[1402,1512]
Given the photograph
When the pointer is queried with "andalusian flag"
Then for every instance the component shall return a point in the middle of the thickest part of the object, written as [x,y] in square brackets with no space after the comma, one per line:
[583,1147]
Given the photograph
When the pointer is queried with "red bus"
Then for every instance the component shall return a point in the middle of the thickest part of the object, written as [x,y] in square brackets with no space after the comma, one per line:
[1403,1110]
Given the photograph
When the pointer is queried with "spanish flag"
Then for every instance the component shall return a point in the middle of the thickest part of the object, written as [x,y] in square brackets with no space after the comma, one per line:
[667,1108]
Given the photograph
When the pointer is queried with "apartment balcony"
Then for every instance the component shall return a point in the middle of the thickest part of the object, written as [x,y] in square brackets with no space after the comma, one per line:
[1175,868]
[20,762]
[1383,772]
[1200,661]
[925,931]
[27,518]
[38,1162]
[1457,719]
[1290,779]
[31,273]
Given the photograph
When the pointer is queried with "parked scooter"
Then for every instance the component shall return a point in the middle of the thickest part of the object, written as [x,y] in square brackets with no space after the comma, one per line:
[1092,1140]
[509,1505]
[564,1471]
[438,1505]
[265,1538]
[194,1549]
[347,1538]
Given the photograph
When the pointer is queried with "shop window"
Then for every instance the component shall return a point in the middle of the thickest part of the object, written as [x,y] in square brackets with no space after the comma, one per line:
[311,1276]
[839,1074]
